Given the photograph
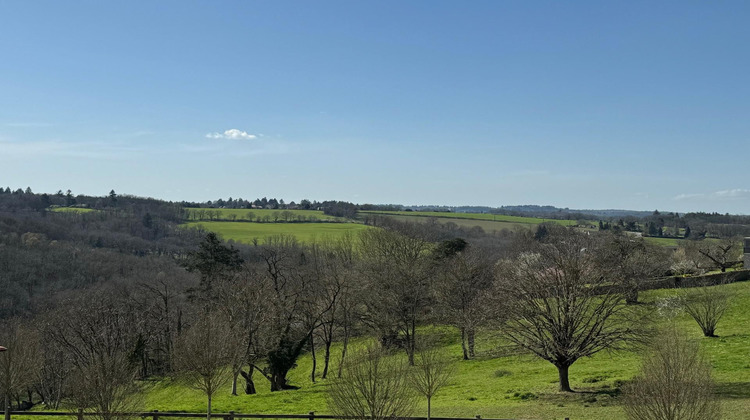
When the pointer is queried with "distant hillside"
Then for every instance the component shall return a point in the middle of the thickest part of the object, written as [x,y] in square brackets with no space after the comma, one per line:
[529,210]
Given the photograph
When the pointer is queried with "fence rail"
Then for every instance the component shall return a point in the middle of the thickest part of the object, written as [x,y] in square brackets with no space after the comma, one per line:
[156,414]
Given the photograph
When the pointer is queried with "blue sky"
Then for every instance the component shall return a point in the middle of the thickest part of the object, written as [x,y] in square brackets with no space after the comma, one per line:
[637,105]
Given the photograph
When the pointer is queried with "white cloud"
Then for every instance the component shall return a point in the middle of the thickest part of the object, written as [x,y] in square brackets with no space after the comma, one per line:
[232,134]
[94,150]
[734,193]
[688,196]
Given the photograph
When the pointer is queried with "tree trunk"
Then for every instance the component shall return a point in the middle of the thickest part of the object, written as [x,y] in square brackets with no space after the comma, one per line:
[429,407]
[562,371]
[278,382]
[314,359]
[234,381]
[326,359]
[411,342]
[470,335]
[631,295]
[343,352]
[208,411]
[463,343]
[249,384]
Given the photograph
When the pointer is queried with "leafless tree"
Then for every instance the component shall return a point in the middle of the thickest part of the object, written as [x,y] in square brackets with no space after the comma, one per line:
[462,286]
[630,260]
[707,305]
[98,334]
[711,254]
[397,269]
[19,364]
[674,384]
[244,301]
[334,262]
[205,354]
[560,307]
[431,371]
[373,386]
[295,301]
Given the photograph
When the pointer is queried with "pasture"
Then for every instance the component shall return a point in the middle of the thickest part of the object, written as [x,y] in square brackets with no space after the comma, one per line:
[473,216]
[258,215]
[504,385]
[70,210]
[246,232]
[487,226]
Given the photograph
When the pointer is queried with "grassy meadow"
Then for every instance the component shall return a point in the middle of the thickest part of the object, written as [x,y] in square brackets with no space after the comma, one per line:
[473,216]
[511,386]
[259,215]
[246,232]
[70,210]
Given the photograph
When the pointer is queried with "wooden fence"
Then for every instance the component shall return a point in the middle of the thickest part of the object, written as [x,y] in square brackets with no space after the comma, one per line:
[156,415]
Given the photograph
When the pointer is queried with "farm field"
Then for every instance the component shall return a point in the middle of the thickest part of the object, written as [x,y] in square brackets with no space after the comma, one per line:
[518,387]
[245,232]
[71,210]
[487,225]
[473,216]
[266,215]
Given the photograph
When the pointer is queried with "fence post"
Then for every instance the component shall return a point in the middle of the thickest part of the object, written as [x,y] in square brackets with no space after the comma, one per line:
[80,414]
[231,415]
[155,415]
[311,416]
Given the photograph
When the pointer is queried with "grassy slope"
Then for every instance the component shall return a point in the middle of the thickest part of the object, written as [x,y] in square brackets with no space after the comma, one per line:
[245,214]
[70,210]
[305,232]
[487,225]
[528,390]
[473,216]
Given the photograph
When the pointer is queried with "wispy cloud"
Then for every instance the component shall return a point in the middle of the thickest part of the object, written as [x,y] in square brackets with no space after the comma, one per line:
[94,150]
[731,194]
[26,124]
[734,193]
[233,134]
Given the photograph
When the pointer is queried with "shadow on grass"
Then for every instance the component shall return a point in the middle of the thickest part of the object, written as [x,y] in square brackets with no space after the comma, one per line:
[733,389]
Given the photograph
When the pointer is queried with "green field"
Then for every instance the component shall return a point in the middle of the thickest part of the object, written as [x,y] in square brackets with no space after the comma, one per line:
[473,216]
[513,386]
[487,226]
[70,210]
[265,215]
[245,232]
[668,242]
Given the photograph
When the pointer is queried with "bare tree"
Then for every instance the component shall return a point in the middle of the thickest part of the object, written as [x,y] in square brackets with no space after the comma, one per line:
[462,290]
[19,364]
[204,355]
[431,371]
[372,386]
[397,269]
[715,254]
[674,384]
[96,331]
[560,306]
[295,301]
[333,262]
[707,305]
[631,260]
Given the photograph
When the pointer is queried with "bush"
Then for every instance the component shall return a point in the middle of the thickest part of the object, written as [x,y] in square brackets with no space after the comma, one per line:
[674,384]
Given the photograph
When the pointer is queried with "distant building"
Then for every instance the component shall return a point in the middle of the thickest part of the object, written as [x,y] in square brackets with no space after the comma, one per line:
[747,254]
